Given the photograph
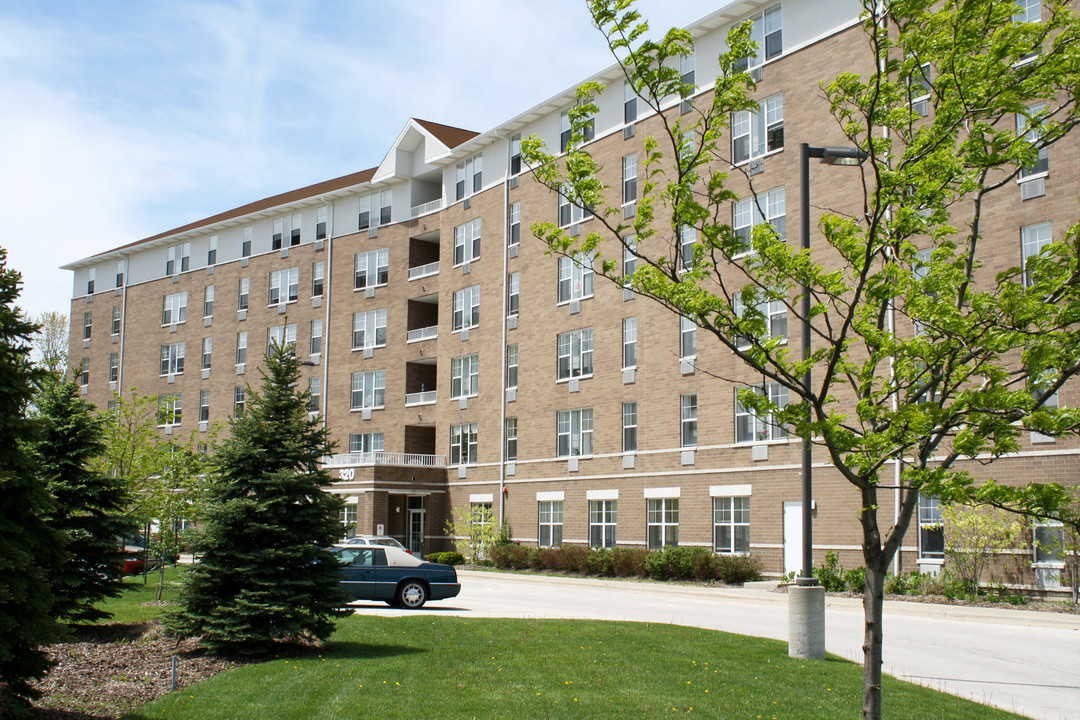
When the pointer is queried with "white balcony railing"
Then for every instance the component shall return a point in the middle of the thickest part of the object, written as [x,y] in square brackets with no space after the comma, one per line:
[419,334]
[425,208]
[423,271]
[384,458]
[420,398]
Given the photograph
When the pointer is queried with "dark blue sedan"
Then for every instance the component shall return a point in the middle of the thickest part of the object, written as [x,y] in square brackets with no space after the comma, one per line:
[394,576]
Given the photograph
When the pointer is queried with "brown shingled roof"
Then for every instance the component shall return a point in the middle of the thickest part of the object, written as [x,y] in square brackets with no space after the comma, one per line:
[448,135]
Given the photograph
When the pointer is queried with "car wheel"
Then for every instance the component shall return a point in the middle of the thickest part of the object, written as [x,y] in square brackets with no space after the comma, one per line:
[412,594]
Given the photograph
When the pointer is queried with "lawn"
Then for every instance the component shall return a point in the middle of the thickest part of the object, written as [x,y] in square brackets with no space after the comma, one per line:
[129,607]
[447,668]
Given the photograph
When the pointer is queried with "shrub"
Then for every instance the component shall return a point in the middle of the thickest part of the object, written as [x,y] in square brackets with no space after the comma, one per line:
[676,563]
[831,574]
[855,580]
[599,562]
[446,558]
[628,562]
[736,569]
[513,557]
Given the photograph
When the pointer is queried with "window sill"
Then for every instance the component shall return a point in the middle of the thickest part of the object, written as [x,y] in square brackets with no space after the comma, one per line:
[362,409]
[279,304]
[572,300]
[1034,176]
[576,377]
[367,347]
[369,287]
[930,561]
[468,261]
[752,158]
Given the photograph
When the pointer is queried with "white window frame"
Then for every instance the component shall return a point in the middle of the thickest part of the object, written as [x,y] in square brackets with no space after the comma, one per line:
[512,365]
[576,278]
[174,309]
[244,295]
[239,400]
[511,439]
[318,278]
[383,200]
[1028,11]
[1043,533]
[1041,167]
[369,329]
[576,347]
[515,154]
[204,406]
[629,179]
[774,311]
[1033,240]
[762,131]
[245,247]
[114,367]
[284,286]
[321,222]
[208,301]
[574,433]
[467,242]
[172,359]
[549,523]
[629,343]
[373,264]
[731,516]
[630,113]
[515,225]
[761,429]
[207,353]
[170,409]
[241,347]
[469,177]
[466,309]
[117,316]
[285,335]
[629,427]
[179,259]
[687,240]
[766,25]
[315,394]
[368,390]
[513,294]
[88,324]
[570,213]
[688,423]
[603,523]
[687,338]
[463,444]
[746,214]
[928,517]
[367,443]
[211,250]
[661,522]
[316,341]
[464,376]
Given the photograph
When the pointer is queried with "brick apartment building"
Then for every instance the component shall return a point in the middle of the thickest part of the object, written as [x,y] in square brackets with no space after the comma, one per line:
[455,362]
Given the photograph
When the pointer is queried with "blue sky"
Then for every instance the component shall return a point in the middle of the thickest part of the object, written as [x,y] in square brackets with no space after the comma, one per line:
[120,120]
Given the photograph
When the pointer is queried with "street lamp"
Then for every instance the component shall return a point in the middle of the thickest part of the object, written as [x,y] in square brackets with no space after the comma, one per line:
[806,606]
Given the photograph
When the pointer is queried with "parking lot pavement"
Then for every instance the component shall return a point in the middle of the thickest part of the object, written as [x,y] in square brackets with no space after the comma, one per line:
[1019,660]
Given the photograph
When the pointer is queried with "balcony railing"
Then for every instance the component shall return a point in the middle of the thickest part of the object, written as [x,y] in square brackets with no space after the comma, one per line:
[423,271]
[419,334]
[420,398]
[425,208]
[384,458]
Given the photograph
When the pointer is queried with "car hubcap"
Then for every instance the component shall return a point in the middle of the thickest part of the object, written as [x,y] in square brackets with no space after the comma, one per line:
[412,595]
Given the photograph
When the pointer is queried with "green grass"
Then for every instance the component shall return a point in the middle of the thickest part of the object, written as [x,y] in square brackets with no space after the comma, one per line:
[448,668]
[129,607]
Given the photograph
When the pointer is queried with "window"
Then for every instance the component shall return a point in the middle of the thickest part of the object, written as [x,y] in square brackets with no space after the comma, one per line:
[114,366]
[774,312]
[316,337]
[767,33]
[172,359]
[371,269]
[375,209]
[279,231]
[687,338]
[116,315]
[731,525]
[570,213]
[366,442]
[1028,11]
[511,438]
[515,154]
[287,226]
[320,223]
[602,523]
[689,420]
[211,250]
[208,301]
[245,287]
[662,521]
[686,69]
[588,129]
[1048,542]
[515,225]
[284,336]
[207,352]
[174,308]
[466,308]
[238,401]
[91,281]
[368,390]
[245,248]
[575,278]
[241,348]
[470,176]
[575,350]
[88,325]
[629,179]
[284,286]
[754,134]
[119,273]
[629,103]
[629,343]
[1041,166]
[513,290]
[463,444]
[1033,239]
[464,376]
[84,372]
[170,409]
[919,89]
[317,273]
[687,238]
[931,529]
[575,429]
[467,242]
[204,406]
[178,259]
[747,214]
[629,259]
[314,394]
[369,329]
[751,428]
[629,427]
[551,513]
[512,366]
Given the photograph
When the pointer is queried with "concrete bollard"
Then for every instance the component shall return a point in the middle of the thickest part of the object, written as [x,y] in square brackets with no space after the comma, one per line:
[806,622]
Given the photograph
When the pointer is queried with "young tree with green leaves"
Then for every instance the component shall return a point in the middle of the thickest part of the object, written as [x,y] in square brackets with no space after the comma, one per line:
[918,359]
[263,573]
[90,507]
[51,341]
[30,550]
[975,537]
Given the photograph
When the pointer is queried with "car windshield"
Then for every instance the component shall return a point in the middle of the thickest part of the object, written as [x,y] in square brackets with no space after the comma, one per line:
[388,542]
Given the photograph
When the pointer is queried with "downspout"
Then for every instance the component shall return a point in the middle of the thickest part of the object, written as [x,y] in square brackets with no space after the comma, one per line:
[327,294]
[123,330]
[502,353]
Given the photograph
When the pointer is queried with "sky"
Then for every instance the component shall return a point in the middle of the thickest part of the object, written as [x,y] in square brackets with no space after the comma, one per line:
[120,120]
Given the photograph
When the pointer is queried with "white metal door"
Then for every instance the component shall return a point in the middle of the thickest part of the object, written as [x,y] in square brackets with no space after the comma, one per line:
[792,537]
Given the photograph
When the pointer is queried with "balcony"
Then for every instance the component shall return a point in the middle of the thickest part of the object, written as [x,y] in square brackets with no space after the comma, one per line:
[384,458]
[420,398]
[419,334]
[426,208]
[423,271]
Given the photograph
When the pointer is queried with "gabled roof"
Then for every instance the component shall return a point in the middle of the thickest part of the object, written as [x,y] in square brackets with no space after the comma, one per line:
[436,141]
[451,137]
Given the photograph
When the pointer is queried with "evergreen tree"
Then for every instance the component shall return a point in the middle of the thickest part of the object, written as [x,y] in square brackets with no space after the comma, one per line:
[30,551]
[263,575]
[90,506]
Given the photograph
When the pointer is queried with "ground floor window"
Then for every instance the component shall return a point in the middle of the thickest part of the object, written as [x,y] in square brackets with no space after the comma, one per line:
[1048,540]
[931,530]
[602,516]
[347,517]
[663,522]
[731,525]
[551,523]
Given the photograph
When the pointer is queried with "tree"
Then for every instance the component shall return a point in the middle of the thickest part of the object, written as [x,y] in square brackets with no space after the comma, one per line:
[974,536]
[264,573]
[479,530]
[51,341]
[918,360]
[90,507]
[30,550]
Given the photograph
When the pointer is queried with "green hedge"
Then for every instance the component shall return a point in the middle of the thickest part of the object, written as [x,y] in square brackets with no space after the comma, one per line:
[446,558]
[670,563]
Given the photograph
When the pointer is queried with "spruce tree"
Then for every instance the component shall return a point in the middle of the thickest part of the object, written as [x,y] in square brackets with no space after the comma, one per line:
[30,551]
[90,506]
[264,575]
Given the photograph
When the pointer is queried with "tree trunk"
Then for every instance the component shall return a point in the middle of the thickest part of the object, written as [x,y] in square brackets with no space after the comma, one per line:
[873,610]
